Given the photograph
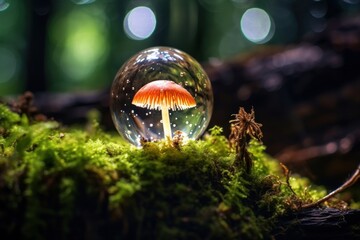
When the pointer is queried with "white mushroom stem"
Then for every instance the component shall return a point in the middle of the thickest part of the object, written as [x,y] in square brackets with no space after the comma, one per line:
[166,121]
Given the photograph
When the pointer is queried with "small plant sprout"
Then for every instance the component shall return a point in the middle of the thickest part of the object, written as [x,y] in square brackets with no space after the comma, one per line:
[164,95]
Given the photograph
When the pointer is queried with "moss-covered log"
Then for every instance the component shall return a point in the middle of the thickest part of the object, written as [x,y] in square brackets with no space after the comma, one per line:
[59,183]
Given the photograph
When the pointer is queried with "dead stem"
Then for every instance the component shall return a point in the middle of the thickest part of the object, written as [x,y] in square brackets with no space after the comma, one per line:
[287,174]
[352,180]
[243,128]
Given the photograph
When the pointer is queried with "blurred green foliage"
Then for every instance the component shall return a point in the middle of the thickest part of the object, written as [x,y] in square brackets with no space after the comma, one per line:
[85,40]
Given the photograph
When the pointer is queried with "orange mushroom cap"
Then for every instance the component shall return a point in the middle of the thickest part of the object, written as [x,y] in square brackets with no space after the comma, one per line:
[158,93]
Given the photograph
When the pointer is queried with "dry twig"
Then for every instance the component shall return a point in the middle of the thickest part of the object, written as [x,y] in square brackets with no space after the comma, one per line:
[352,180]
[287,174]
[243,128]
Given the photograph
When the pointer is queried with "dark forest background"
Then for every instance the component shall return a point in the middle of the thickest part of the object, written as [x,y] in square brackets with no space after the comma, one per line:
[78,45]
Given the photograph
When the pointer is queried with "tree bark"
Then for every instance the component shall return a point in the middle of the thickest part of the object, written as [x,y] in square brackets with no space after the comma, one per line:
[318,223]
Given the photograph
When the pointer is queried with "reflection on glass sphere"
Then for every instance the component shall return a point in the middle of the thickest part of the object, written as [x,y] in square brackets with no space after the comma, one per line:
[160,91]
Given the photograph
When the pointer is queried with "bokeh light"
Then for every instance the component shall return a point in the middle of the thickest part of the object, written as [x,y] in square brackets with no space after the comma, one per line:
[4,5]
[84,46]
[81,41]
[318,9]
[318,25]
[83,2]
[256,25]
[352,1]
[140,23]
[8,65]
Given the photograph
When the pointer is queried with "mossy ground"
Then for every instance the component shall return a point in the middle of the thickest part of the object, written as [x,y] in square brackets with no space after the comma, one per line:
[65,183]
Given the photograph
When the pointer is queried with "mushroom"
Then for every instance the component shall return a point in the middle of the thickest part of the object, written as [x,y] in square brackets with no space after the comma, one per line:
[164,95]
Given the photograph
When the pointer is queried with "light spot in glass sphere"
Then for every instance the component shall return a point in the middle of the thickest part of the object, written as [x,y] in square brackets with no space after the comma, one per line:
[132,111]
[127,119]
[151,125]
[174,125]
[123,88]
[140,23]
[190,125]
[187,122]
[132,88]
[127,81]
[149,112]
[159,134]
[256,25]
[129,125]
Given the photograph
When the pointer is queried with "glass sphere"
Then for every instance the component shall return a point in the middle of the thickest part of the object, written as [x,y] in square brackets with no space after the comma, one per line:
[158,92]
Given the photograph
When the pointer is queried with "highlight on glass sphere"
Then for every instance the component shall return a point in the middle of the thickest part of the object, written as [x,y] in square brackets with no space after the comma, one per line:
[160,91]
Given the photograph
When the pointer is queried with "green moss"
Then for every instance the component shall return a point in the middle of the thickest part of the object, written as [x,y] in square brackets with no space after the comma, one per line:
[71,183]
